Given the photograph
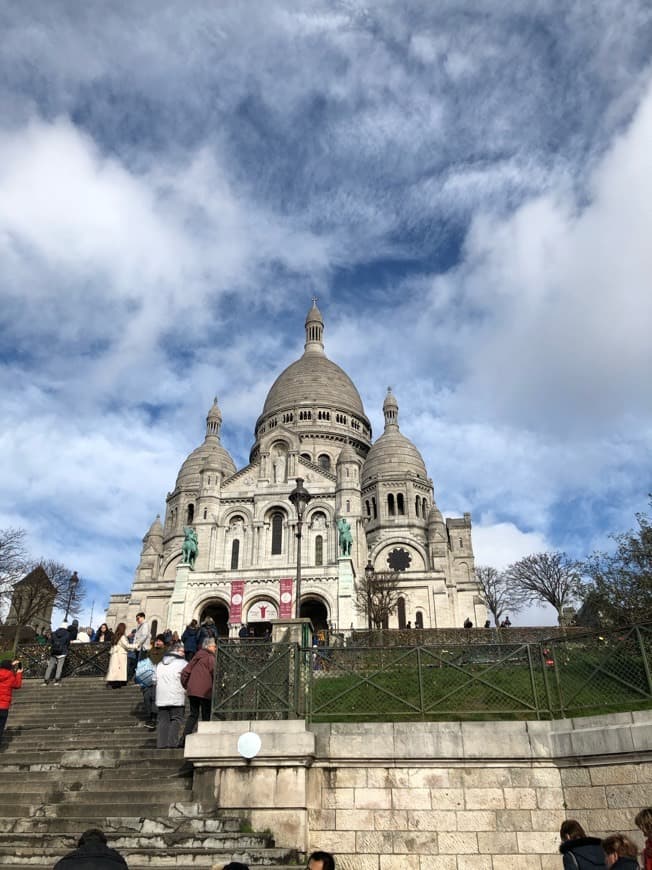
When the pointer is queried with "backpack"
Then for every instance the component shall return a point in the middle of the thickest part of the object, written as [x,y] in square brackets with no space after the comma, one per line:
[60,643]
[144,675]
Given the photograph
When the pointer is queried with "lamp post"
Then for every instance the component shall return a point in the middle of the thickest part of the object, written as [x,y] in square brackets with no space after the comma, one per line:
[73,583]
[299,498]
[369,575]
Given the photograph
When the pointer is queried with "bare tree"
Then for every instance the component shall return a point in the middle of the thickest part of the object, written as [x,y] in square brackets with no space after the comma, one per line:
[550,578]
[377,595]
[497,592]
[47,585]
[13,559]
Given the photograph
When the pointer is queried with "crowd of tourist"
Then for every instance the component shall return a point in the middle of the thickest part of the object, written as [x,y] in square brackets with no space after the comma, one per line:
[582,852]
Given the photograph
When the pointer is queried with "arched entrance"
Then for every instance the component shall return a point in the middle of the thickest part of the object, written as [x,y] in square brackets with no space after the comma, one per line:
[316,611]
[259,615]
[220,614]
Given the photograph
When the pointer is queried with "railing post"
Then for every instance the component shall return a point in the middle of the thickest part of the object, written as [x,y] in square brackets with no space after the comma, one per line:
[646,663]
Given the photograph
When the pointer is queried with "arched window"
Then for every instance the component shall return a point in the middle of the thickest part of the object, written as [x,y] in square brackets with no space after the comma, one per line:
[324,461]
[368,506]
[190,515]
[319,550]
[373,504]
[417,504]
[277,533]
[306,456]
[400,609]
[418,621]
[399,504]
[390,504]
[348,506]
[235,554]
[205,513]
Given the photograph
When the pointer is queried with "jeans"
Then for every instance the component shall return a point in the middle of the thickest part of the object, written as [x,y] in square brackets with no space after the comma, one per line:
[149,693]
[55,662]
[168,723]
[3,721]
[197,704]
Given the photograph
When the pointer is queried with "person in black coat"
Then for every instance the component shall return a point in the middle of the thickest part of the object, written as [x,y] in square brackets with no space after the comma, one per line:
[60,646]
[580,852]
[92,853]
[621,852]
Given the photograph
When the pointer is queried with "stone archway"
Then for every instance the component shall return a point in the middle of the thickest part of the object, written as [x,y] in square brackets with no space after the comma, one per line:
[315,609]
[220,614]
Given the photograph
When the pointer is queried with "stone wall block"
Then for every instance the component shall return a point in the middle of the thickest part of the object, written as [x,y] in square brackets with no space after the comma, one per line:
[333,841]
[321,820]
[362,740]
[479,740]
[458,843]
[513,820]
[372,798]
[474,862]
[484,798]
[447,798]
[399,862]
[433,777]
[550,820]
[520,862]
[411,798]
[520,798]
[537,777]
[585,798]
[374,841]
[354,820]
[290,829]
[383,777]
[494,843]
[486,777]
[350,777]
[338,799]
[613,774]
[438,862]
[416,842]
[572,776]
[390,820]
[538,842]
[428,740]
[433,820]
[550,798]
[629,795]
[476,820]
[357,862]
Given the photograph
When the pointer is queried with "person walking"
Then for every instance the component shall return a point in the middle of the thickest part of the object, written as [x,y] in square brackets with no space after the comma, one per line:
[621,852]
[141,638]
[189,638]
[116,675]
[580,852]
[643,820]
[11,679]
[170,697]
[197,679]
[59,647]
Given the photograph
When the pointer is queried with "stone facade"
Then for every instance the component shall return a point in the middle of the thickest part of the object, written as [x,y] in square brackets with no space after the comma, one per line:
[313,426]
[449,796]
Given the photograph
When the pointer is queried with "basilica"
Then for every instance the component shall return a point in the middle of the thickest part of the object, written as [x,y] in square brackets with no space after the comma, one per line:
[313,426]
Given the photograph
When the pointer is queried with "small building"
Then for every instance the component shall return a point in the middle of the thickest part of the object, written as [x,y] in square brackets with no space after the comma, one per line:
[32,601]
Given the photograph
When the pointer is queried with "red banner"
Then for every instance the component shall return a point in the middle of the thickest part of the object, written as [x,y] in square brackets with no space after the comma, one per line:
[237,594]
[285,610]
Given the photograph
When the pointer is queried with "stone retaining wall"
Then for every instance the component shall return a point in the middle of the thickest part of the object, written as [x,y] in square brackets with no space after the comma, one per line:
[432,796]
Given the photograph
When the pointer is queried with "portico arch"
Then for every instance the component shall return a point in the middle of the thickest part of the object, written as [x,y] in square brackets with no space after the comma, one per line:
[218,610]
[314,608]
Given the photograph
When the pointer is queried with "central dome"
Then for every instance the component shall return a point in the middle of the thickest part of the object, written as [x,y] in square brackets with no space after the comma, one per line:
[313,378]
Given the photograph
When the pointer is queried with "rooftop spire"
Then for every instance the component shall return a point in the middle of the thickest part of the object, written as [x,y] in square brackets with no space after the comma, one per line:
[390,410]
[314,330]
[214,420]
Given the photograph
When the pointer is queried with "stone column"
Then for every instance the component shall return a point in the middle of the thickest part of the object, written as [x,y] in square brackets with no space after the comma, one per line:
[177,603]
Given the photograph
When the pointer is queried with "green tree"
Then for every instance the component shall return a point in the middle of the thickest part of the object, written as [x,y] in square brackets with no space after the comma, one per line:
[546,578]
[620,591]
[497,592]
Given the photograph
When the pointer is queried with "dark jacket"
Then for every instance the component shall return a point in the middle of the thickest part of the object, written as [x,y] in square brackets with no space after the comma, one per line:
[625,863]
[208,629]
[189,640]
[92,856]
[587,851]
[61,642]
[200,670]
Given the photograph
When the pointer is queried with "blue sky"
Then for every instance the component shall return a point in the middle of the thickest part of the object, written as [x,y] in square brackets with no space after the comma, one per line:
[468,191]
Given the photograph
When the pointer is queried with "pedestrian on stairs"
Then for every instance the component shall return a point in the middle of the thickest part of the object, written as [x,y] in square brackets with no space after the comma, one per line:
[197,679]
[11,678]
[116,675]
[92,853]
[59,649]
[170,697]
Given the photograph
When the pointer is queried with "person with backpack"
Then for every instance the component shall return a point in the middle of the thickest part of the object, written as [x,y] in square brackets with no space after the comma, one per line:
[208,629]
[145,677]
[59,648]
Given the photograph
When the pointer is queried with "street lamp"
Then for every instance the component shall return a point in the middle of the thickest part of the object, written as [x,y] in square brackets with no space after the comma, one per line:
[369,575]
[299,498]
[72,585]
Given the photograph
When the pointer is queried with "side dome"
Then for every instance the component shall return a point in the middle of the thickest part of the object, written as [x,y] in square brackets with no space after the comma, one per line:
[211,450]
[393,455]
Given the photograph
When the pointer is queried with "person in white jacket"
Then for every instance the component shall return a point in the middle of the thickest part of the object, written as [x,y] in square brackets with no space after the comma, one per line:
[170,697]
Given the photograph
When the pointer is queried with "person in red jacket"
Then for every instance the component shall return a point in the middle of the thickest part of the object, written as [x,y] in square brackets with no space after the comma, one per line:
[197,679]
[11,677]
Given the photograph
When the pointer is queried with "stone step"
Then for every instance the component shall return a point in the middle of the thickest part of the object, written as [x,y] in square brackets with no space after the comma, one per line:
[127,841]
[158,857]
[114,825]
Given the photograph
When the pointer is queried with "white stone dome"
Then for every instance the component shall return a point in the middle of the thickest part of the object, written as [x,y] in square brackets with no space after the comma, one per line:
[210,451]
[392,455]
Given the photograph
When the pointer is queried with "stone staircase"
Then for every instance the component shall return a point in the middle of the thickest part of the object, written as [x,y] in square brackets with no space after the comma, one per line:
[76,756]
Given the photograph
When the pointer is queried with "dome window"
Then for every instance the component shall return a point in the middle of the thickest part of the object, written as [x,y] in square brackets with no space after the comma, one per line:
[400,507]
[417,505]
[324,461]
[319,550]
[235,554]
[391,509]
[190,514]
[368,507]
[277,533]
[373,504]
[205,513]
